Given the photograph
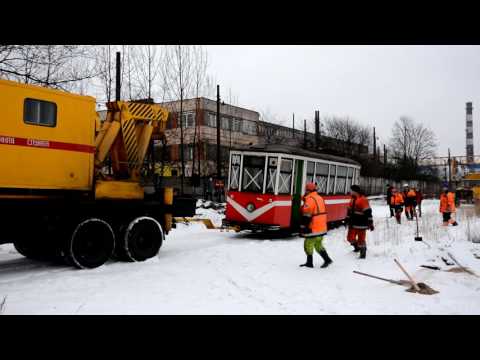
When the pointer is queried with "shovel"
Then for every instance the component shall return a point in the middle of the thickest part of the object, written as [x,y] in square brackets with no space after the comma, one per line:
[417,238]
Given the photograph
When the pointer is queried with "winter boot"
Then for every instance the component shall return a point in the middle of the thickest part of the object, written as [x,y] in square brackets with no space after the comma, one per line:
[309,262]
[355,247]
[363,253]
[326,258]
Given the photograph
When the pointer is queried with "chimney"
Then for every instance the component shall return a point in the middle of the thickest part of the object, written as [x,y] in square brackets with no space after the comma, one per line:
[469,133]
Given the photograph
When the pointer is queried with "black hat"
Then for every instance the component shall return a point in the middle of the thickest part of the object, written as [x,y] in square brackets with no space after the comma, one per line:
[355,188]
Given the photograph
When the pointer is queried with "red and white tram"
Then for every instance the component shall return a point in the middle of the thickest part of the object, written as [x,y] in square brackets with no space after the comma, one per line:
[266,185]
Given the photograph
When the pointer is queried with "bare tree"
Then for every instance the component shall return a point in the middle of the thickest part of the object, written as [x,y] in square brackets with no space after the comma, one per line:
[349,132]
[146,59]
[177,72]
[105,64]
[411,143]
[200,62]
[56,66]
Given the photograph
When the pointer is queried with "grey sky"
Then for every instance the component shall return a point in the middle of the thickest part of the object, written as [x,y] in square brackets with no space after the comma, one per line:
[372,84]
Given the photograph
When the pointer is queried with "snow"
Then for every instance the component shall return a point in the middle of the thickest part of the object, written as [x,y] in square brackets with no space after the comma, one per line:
[200,271]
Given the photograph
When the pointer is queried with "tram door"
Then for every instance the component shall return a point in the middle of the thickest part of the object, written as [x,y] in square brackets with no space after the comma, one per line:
[297,196]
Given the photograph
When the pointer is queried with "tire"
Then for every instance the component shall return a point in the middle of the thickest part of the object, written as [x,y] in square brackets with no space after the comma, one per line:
[91,244]
[142,239]
[33,243]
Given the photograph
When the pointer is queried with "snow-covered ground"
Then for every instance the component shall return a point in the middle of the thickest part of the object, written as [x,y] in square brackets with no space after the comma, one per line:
[200,271]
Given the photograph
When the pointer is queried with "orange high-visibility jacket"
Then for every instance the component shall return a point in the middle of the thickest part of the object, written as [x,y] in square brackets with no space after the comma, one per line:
[397,199]
[359,213]
[412,194]
[447,202]
[314,208]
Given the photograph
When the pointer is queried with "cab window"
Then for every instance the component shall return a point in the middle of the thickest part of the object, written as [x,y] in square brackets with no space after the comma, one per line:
[40,112]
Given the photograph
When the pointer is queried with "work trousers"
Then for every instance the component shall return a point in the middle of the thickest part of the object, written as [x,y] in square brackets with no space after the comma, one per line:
[357,236]
[314,242]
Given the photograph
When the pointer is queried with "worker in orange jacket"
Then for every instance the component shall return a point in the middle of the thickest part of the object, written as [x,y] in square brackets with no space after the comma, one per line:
[397,203]
[359,219]
[410,200]
[447,206]
[314,225]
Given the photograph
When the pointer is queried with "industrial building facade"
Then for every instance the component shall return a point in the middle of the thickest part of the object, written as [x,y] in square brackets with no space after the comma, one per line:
[239,127]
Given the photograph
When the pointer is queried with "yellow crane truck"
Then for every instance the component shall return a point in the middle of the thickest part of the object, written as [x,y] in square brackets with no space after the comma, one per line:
[75,188]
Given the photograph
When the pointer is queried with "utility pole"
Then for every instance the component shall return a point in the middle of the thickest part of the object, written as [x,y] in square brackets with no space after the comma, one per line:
[219,165]
[317,129]
[182,154]
[449,169]
[374,145]
[305,133]
[293,125]
[117,83]
[384,154]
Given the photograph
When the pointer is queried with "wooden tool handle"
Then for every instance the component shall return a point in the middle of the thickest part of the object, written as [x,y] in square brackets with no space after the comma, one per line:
[414,284]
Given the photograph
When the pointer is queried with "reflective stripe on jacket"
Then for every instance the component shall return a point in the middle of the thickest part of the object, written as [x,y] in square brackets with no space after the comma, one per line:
[359,213]
[314,207]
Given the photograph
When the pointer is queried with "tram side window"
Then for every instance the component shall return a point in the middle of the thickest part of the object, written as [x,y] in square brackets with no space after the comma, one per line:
[310,171]
[349,178]
[253,173]
[321,177]
[271,174]
[341,180]
[285,181]
[235,172]
[333,169]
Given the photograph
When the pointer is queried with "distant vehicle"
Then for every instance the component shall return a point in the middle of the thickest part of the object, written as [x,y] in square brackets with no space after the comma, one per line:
[266,185]
[464,196]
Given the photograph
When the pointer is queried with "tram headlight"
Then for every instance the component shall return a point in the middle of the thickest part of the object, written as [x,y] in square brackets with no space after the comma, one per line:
[250,207]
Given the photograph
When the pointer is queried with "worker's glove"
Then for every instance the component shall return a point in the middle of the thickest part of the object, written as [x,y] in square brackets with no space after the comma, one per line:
[371,227]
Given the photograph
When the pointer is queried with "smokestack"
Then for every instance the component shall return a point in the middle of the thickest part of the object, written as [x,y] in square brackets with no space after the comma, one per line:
[117,82]
[317,129]
[469,133]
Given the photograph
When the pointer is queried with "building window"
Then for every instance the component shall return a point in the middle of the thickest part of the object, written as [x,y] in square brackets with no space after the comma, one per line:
[39,112]
[212,120]
[249,127]
[225,123]
[236,125]
[188,120]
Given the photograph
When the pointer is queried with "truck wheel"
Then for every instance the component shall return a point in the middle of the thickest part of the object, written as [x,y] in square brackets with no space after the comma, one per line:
[91,245]
[143,239]
[28,248]
[34,244]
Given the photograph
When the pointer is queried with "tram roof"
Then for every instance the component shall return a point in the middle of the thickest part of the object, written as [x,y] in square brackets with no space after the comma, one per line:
[287,149]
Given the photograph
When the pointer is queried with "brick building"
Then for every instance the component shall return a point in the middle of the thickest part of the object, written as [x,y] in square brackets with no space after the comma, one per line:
[239,126]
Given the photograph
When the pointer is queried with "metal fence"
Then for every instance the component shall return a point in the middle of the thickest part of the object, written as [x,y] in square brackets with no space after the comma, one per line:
[378,186]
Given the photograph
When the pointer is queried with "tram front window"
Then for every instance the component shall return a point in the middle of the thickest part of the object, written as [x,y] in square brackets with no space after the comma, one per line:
[253,173]
[235,172]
